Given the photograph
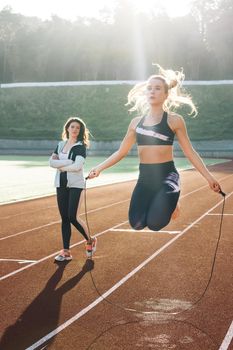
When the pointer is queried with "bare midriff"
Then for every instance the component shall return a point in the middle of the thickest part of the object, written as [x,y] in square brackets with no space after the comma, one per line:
[155,154]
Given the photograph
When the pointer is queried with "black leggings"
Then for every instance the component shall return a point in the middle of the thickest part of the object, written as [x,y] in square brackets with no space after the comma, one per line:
[68,201]
[155,196]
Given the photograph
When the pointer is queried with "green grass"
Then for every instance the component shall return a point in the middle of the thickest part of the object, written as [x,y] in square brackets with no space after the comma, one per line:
[39,113]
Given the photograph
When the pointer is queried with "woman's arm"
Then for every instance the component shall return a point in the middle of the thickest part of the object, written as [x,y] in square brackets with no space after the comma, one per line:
[74,166]
[123,150]
[191,154]
[55,162]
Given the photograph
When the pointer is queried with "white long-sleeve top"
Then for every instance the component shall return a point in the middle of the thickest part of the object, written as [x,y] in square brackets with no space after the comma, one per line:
[72,163]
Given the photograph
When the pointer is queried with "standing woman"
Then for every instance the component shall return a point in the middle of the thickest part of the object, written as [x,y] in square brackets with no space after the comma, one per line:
[68,158]
[155,197]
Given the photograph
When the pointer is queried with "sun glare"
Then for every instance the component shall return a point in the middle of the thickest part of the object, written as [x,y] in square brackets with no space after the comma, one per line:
[70,9]
[171,7]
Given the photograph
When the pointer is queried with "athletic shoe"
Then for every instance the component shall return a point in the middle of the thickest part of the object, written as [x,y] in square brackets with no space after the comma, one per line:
[90,247]
[64,255]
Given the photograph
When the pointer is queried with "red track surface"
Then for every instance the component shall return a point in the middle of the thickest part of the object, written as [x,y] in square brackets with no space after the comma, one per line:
[60,305]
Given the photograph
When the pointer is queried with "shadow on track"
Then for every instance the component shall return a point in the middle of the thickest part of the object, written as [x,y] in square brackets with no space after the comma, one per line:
[42,315]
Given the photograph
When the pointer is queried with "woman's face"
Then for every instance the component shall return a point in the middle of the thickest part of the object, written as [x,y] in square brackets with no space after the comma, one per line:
[74,130]
[155,92]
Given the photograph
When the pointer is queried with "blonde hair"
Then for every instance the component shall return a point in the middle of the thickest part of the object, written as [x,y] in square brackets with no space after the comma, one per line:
[83,133]
[173,87]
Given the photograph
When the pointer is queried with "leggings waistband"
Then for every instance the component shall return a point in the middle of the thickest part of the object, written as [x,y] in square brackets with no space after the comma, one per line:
[155,174]
[164,167]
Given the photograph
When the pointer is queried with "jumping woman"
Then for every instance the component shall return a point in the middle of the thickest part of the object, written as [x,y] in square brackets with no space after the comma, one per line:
[68,158]
[155,197]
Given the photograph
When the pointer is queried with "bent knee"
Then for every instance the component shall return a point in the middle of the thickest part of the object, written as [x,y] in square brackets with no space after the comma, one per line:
[157,225]
[136,225]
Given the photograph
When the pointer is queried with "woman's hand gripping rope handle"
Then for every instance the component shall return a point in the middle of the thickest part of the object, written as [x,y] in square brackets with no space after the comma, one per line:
[222,193]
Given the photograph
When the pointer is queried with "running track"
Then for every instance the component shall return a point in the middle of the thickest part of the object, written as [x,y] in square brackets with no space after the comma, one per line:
[50,306]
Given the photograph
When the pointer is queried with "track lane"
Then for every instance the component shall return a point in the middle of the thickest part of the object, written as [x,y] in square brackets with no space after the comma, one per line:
[112,315]
[30,247]
[120,259]
[120,294]
[46,211]
[192,334]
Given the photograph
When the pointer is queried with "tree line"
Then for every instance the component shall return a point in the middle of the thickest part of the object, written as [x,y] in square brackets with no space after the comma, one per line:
[120,45]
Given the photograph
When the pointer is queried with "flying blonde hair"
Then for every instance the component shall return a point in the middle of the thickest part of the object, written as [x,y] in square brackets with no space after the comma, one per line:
[173,81]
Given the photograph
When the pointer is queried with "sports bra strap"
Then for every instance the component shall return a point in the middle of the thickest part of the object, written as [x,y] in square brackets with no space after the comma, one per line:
[164,118]
[141,121]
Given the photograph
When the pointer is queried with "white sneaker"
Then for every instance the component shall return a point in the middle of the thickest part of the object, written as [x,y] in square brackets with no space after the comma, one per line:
[64,255]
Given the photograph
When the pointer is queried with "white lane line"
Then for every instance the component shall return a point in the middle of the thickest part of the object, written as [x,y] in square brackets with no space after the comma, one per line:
[28,211]
[53,254]
[104,207]
[20,261]
[55,206]
[57,222]
[228,338]
[221,214]
[118,284]
[30,230]
[141,231]
[204,186]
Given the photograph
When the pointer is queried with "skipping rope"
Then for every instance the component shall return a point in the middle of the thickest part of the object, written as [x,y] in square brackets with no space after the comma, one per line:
[159,312]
